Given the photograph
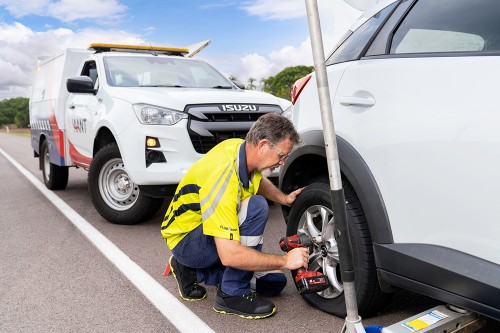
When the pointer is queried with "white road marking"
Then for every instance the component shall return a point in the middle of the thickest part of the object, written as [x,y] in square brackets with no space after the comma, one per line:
[175,312]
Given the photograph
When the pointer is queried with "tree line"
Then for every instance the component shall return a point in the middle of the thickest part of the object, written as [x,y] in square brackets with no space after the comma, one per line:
[15,111]
[281,84]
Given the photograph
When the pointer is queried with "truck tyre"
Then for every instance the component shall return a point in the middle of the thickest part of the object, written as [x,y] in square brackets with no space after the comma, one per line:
[55,177]
[115,196]
[311,209]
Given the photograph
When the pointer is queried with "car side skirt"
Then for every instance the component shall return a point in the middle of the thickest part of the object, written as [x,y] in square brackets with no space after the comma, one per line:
[442,273]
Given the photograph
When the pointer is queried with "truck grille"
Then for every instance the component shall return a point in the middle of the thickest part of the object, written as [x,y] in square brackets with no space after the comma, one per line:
[232,116]
[202,144]
[209,124]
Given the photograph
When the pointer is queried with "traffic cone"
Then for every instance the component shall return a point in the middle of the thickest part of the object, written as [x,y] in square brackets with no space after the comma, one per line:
[168,270]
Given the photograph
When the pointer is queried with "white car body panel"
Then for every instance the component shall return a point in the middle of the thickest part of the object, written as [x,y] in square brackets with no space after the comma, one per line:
[438,144]
[467,144]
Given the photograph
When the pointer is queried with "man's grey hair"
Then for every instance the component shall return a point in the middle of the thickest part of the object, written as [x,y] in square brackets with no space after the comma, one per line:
[274,128]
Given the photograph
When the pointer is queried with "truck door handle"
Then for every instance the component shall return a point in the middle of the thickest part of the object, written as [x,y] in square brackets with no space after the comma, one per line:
[360,101]
[72,106]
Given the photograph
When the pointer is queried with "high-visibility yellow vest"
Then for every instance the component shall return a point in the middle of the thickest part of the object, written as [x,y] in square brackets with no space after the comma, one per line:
[211,193]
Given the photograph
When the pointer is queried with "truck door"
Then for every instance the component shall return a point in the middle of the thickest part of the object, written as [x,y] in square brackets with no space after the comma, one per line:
[81,112]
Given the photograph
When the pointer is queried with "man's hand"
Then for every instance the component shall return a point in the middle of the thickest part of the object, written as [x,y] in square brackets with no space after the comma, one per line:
[297,258]
[290,198]
[233,254]
[271,192]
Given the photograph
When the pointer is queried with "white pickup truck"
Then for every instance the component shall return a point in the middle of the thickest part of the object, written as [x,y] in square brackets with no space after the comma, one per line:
[137,117]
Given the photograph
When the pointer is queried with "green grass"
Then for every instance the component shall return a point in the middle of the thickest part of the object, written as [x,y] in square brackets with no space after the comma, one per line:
[17,131]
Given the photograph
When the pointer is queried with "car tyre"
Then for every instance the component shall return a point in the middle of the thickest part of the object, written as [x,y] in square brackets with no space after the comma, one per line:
[55,177]
[307,214]
[115,196]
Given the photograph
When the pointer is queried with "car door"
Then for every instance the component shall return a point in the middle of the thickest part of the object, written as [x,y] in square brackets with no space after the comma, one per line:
[420,107]
[81,111]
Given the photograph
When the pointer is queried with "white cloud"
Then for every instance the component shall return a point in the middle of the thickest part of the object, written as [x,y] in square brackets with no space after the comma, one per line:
[66,10]
[289,9]
[72,10]
[255,66]
[335,15]
[292,56]
[21,46]
[12,74]
[276,10]
[19,8]
[258,66]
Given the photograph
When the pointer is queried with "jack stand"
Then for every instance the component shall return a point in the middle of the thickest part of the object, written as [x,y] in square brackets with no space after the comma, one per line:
[353,326]
[353,320]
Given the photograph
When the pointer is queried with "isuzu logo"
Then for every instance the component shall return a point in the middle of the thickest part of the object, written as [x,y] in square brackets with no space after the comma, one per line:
[239,107]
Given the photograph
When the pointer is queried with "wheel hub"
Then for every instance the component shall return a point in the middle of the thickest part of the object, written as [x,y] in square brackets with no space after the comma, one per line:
[117,189]
[323,250]
[324,256]
[123,184]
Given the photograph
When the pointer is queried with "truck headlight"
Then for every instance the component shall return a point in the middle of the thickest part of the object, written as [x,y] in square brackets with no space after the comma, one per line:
[155,115]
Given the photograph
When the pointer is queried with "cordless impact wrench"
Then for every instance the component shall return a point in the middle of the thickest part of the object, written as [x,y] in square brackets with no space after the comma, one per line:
[307,282]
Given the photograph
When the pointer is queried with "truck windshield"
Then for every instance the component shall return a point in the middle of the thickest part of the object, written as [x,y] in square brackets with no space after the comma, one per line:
[155,71]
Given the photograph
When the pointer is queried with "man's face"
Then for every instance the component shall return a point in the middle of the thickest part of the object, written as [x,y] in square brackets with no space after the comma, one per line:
[274,155]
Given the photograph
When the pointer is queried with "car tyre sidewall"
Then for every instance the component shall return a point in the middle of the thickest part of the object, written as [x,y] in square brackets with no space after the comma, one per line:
[56,177]
[370,297]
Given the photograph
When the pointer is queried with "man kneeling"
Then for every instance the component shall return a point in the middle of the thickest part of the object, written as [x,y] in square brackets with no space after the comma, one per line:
[215,222]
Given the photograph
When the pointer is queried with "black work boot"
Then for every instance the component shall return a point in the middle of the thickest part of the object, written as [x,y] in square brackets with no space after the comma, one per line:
[186,281]
[249,306]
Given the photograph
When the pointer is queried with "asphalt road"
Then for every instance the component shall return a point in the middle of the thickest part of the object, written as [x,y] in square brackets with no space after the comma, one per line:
[54,279]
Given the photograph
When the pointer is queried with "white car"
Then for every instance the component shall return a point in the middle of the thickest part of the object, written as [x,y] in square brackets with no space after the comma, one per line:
[413,88]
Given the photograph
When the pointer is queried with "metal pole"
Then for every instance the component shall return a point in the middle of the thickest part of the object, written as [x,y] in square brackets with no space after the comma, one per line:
[353,320]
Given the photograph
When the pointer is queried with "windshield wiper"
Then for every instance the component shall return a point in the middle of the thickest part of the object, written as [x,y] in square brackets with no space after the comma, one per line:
[163,85]
[222,87]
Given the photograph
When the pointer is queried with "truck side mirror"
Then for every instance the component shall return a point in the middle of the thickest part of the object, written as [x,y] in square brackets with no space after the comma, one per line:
[80,84]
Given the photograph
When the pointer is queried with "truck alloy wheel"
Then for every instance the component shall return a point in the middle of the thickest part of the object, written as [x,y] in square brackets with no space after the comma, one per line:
[309,215]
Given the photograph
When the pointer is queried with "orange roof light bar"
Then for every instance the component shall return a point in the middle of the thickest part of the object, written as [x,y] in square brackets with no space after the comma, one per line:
[102,47]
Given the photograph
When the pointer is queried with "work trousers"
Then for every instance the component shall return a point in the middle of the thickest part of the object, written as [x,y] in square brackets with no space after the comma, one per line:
[198,251]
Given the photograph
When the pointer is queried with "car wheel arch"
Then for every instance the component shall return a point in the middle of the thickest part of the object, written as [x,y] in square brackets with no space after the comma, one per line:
[104,137]
[311,156]
[41,139]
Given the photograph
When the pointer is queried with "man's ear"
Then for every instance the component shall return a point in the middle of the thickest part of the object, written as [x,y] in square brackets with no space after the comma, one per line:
[261,144]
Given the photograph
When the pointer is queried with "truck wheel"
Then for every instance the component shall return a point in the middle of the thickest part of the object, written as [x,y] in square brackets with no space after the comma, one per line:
[115,196]
[310,212]
[55,177]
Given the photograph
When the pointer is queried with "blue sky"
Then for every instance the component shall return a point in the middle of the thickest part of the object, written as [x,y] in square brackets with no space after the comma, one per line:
[250,38]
